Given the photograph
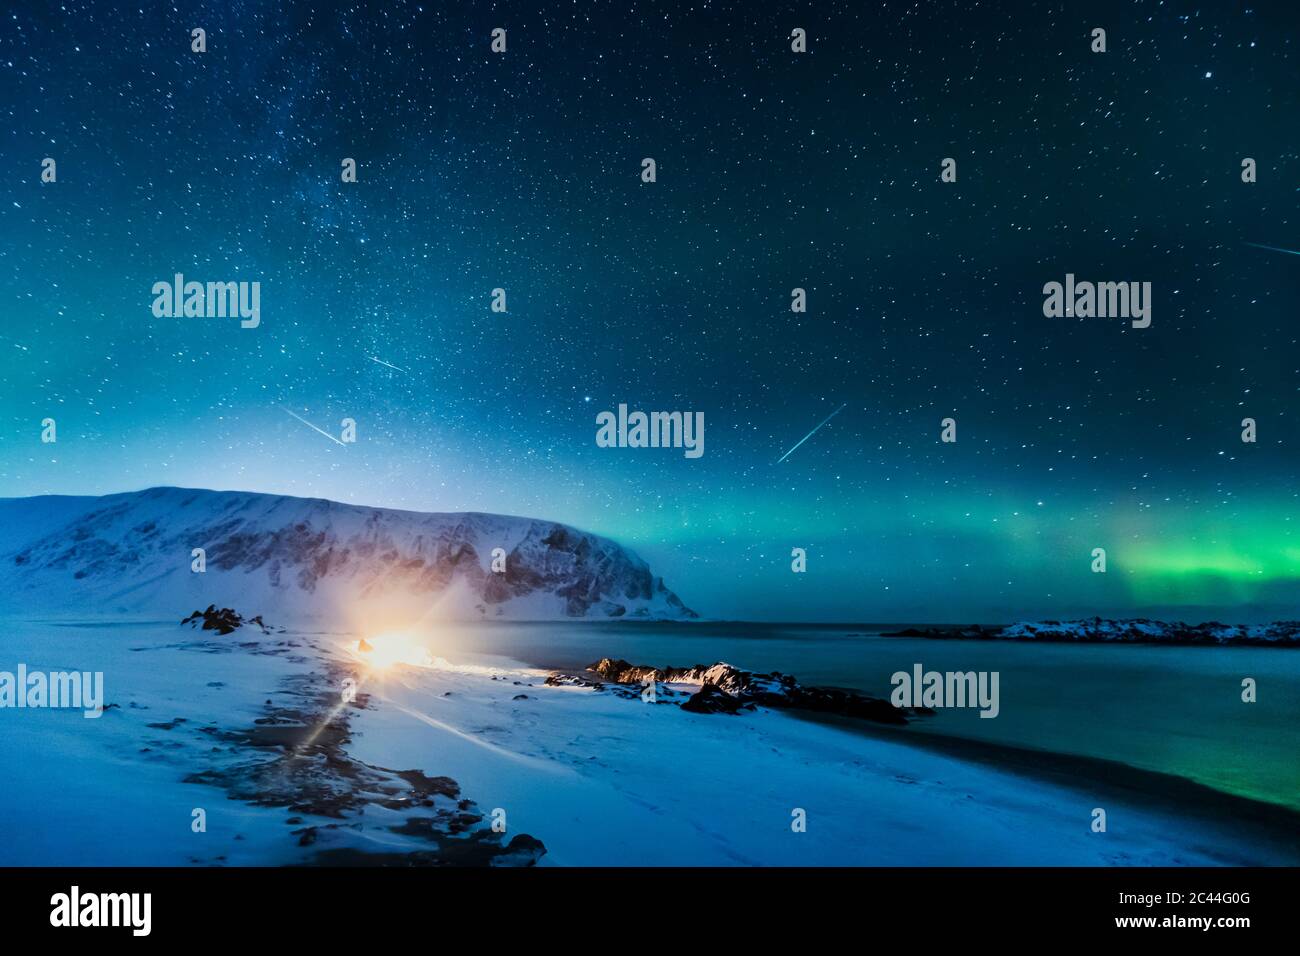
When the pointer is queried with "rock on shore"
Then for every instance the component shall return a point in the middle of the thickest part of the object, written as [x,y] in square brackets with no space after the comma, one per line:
[724,688]
[223,620]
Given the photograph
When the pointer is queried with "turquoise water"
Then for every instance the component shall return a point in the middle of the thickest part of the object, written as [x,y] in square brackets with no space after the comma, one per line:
[1171,709]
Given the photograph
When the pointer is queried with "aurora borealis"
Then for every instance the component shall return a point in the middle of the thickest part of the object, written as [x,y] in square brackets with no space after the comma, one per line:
[776,171]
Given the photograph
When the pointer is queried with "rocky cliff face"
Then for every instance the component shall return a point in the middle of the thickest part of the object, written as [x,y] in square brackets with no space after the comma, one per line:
[282,555]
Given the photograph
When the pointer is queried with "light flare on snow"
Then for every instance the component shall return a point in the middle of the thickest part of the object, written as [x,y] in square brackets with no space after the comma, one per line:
[391,648]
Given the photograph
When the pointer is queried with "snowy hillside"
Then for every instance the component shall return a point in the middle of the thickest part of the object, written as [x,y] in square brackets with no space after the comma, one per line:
[294,558]
[1125,631]
[1144,631]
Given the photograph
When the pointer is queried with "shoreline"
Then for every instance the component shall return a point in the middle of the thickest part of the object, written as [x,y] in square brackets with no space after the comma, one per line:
[1260,821]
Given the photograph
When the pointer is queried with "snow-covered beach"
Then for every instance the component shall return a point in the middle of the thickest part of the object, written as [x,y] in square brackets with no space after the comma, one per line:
[199,721]
[608,781]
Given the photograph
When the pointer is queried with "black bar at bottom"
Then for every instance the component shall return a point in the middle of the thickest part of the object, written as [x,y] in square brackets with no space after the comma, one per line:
[343,905]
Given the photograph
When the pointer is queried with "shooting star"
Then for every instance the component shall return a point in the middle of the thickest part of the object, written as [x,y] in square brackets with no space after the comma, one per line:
[389,364]
[310,425]
[811,433]
[1290,252]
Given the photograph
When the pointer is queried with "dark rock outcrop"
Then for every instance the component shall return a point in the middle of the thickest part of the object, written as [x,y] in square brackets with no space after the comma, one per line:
[730,679]
[711,700]
[222,620]
[725,689]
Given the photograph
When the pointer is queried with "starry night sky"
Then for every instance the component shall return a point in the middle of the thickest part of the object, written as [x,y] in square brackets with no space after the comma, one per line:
[775,170]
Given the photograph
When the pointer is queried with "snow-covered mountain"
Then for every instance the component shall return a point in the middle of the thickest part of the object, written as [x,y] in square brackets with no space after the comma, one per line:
[1144,631]
[1140,630]
[290,558]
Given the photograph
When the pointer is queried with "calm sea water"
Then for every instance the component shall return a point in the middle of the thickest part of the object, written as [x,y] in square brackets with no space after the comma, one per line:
[1171,709]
